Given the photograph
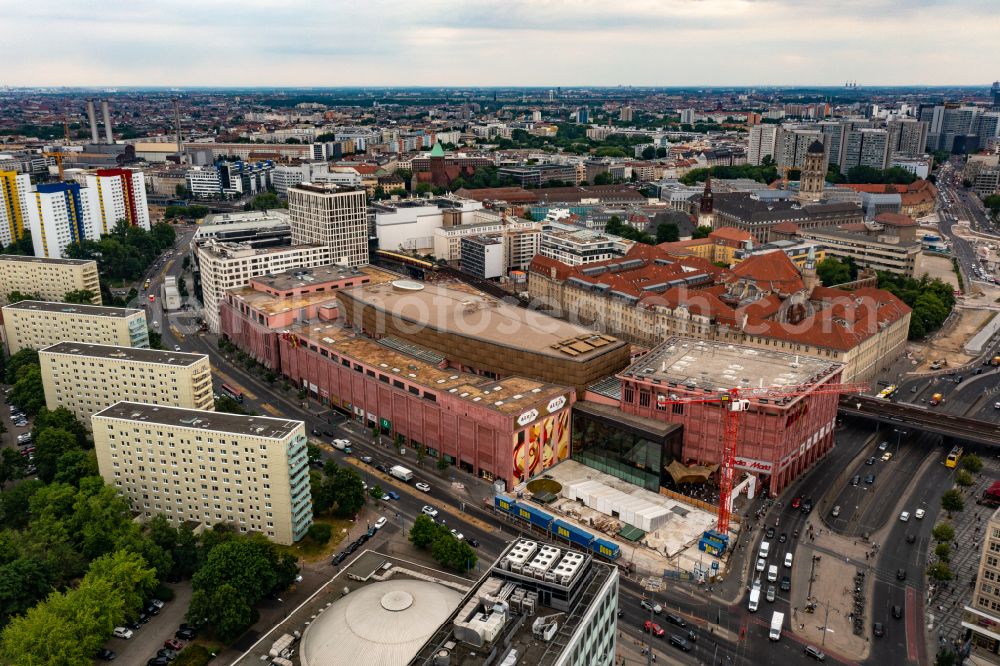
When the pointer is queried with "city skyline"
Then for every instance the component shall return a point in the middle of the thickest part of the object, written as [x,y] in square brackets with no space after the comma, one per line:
[445,42]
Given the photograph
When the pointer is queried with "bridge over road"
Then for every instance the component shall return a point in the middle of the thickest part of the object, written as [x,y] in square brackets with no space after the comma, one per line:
[923,418]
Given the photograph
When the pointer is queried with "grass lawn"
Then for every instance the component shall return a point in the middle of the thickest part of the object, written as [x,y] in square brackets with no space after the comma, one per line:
[310,551]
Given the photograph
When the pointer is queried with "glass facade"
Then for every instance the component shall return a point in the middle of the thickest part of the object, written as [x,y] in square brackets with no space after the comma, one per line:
[624,449]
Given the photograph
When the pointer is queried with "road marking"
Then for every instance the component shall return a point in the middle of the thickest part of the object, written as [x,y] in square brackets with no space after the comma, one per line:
[270,409]
[912,635]
[177,334]
[235,384]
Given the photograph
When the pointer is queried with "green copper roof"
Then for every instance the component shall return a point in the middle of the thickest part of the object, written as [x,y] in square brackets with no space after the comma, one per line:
[437,150]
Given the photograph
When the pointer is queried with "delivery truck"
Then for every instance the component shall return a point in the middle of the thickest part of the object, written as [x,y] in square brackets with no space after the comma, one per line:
[777,620]
[401,473]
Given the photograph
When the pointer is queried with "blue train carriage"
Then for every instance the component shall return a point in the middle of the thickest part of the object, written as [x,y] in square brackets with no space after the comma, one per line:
[607,549]
[572,533]
[539,519]
[505,504]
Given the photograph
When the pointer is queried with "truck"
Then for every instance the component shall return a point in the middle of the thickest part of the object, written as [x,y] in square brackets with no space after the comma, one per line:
[990,496]
[401,473]
[754,600]
[936,399]
[777,620]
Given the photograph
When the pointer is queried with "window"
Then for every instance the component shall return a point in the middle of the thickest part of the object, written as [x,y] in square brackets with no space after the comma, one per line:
[677,408]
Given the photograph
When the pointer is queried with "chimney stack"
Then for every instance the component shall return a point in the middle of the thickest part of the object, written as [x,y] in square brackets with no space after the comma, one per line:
[107,122]
[93,121]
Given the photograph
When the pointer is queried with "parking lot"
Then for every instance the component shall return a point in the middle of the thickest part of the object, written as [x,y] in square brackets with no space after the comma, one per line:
[18,432]
[149,637]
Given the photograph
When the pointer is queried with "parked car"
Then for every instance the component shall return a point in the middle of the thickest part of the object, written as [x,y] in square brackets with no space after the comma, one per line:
[185,634]
[122,632]
[815,653]
[797,502]
[761,564]
[105,654]
[380,523]
[158,661]
[905,516]
[836,511]
[786,583]
[338,558]
[173,644]
[167,654]
[769,532]
[870,461]
[472,541]
[770,593]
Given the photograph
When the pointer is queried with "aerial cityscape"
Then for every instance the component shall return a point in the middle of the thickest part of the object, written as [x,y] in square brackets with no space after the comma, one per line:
[482,334]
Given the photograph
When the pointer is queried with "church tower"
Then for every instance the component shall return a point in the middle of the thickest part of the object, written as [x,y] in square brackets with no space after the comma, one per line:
[706,208]
[809,277]
[813,175]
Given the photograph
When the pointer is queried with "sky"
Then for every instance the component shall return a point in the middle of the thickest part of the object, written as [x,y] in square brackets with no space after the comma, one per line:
[499,42]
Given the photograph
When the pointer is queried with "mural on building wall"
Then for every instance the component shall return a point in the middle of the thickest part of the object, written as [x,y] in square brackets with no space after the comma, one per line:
[541,445]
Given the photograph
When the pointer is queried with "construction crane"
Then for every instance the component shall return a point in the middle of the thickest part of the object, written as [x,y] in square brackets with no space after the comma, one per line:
[59,161]
[737,401]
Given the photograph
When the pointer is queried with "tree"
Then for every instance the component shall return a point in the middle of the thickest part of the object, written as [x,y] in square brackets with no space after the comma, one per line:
[319,532]
[266,201]
[16,296]
[973,463]
[376,491]
[226,404]
[649,152]
[28,392]
[17,361]
[667,233]
[604,178]
[128,574]
[225,608]
[943,532]
[63,419]
[952,500]
[72,466]
[424,531]
[939,571]
[23,583]
[613,225]
[81,296]
[945,657]
[963,478]
[50,445]
[831,271]
[348,492]
[701,232]
[943,552]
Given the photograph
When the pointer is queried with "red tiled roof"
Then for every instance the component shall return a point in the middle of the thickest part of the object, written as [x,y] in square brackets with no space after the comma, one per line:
[770,271]
[732,234]
[786,228]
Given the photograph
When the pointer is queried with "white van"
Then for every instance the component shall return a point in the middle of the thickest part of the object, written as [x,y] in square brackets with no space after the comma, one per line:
[772,573]
[754,600]
[788,560]
[765,548]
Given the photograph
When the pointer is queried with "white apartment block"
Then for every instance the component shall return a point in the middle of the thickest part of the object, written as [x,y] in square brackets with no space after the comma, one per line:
[190,465]
[448,240]
[762,142]
[39,324]
[574,246]
[15,192]
[229,265]
[60,214]
[120,194]
[410,225]
[290,175]
[86,378]
[204,181]
[325,214]
[49,279]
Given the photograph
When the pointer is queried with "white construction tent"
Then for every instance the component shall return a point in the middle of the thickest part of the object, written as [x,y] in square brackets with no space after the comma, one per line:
[628,508]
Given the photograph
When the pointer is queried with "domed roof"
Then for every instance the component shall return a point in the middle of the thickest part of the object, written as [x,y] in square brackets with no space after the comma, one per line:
[382,623]
[815,147]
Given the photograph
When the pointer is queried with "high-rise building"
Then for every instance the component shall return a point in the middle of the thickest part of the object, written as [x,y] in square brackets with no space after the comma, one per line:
[120,195]
[15,190]
[995,94]
[687,116]
[762,139]
[60,214]
[48,279]
[583,115]
[981,617]
[229,265]
[331,216]
[791,145]
[907,137]
[86,378]
[625,115]
[865,147]
[38,324]
[208,467]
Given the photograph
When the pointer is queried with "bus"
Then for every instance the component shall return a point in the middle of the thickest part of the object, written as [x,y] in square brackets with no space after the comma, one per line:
[232,393]
[953,457]
[886,392]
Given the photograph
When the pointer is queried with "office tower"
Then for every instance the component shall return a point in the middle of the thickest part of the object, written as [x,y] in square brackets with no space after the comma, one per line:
[762,138]
[995,94]
[687,116]
[204,467]
[60,214]
[865,147]
[989,127]
[625,115]
[120,195]
[907,137]
[49,279]
[38,324]
[86,378]
[331,216]
[15,190]
[582,116]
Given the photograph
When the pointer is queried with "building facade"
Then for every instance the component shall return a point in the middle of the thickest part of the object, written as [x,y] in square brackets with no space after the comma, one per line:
[483,257]
[85,378]
[189,465]
[39,324]
[981,617]
[120,196]
[226,266]
[331,216]
[15,196]
[48,279]
[60,214]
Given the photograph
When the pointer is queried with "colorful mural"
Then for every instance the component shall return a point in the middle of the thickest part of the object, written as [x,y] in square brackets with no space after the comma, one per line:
[541,445]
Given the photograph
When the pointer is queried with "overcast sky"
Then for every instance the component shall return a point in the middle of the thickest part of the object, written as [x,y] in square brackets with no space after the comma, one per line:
[499,42]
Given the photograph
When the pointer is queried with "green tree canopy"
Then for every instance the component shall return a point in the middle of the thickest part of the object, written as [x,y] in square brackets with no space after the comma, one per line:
[952,500]
[667,233]
[82,296]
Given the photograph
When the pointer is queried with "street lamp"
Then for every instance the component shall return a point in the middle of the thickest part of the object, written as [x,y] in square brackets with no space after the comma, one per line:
[899,435]
[826,620]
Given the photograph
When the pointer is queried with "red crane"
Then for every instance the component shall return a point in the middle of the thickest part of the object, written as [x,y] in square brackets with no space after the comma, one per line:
[737,401]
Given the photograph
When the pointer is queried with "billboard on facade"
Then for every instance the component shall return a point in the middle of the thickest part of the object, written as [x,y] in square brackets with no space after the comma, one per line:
[541,445]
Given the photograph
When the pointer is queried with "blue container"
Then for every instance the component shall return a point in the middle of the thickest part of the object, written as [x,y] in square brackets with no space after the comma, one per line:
[572,533]
[607,549]
[505,504]
[532,515]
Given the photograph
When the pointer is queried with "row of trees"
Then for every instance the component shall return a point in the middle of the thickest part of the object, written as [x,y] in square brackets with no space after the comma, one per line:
[868,175]
[444,547]
[765,173]
[194,212]
[126,252]
[952,501]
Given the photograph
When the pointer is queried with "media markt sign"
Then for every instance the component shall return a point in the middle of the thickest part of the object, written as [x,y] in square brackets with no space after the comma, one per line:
[527,417]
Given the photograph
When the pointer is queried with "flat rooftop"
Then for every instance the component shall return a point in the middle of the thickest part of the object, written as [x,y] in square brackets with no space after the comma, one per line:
[73,308]
[241,250]
[461,310]
[16,258]
[270,304]
[516,578]
[297,278]
[686,362]
[124,354]
[511,395]
[248,218]
[197,419]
